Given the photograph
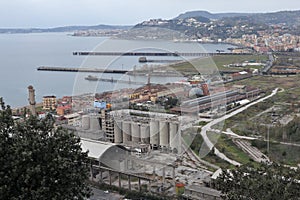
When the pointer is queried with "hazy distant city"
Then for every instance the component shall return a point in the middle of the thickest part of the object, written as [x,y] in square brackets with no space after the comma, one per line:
[203,105]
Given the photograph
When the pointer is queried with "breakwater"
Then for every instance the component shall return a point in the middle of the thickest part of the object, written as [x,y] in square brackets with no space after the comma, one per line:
[74,69]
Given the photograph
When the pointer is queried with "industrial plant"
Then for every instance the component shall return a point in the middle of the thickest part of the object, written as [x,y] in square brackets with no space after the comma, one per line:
[144,133]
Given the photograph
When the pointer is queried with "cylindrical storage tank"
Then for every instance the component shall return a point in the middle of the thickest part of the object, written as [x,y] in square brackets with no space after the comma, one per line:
[163,133]
[174,142]
[154,133]
[145,134]
[135,132]
[126,127]
[85,122]
[118,132]
[94,123]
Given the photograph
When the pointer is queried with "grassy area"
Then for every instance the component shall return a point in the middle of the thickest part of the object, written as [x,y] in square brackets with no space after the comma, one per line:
[226,146]
[231,59]
[286,154]
[212,158]
[271,82]
[216,63]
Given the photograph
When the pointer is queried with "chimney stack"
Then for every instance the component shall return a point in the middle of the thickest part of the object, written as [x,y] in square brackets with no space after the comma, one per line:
[31,100]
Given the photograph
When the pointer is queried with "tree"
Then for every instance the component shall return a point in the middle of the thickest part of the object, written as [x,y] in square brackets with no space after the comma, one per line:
[39,161]
[266,182]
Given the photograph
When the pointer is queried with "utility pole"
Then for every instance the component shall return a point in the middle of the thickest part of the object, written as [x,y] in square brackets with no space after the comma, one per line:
[268,140]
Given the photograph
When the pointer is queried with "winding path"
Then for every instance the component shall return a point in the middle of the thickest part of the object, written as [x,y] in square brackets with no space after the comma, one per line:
[208,126]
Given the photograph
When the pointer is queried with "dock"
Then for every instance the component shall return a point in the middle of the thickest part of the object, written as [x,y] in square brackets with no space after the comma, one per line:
[89,70]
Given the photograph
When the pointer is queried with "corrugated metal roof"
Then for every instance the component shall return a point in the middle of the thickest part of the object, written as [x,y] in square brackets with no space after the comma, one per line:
[96,148]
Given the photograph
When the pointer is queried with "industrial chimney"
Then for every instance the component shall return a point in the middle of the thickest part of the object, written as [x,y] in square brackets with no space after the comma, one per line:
[31,100]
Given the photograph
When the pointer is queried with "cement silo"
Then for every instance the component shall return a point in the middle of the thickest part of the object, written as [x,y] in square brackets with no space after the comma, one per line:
[118,137]
[135,132]
[126,127]
[154,133]
[164,133]
[85,122]
[145,134]
[94,123]
[174,136]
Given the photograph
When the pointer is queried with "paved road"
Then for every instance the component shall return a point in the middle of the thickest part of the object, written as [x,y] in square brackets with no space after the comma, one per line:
[208,126]
[269,63]
[102,195]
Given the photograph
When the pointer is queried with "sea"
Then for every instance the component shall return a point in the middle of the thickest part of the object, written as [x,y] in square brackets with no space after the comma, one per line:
[22,54]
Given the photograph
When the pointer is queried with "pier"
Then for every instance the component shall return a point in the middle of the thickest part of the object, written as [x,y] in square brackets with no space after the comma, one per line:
[170,54]
[90,70]
[112,80]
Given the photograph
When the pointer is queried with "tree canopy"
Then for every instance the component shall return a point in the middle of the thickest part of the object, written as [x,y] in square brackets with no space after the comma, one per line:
[39,161]
[265,182]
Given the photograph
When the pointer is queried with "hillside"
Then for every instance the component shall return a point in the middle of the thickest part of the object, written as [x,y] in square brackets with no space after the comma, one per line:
[220,26]
[209,15]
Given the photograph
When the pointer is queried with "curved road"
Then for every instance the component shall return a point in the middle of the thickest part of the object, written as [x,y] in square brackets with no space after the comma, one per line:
[208,126]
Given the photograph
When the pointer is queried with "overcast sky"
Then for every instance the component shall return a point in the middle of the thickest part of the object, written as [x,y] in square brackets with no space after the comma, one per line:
[51,13]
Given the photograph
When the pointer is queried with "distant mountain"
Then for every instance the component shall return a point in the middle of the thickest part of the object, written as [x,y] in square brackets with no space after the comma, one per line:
[209,15]
[61,29]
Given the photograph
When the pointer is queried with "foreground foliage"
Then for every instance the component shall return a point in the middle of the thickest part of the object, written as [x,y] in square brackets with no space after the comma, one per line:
[39,161]
[266,182]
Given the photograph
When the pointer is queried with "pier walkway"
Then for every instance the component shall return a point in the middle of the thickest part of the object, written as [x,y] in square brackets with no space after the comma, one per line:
[91,70]
[187,54]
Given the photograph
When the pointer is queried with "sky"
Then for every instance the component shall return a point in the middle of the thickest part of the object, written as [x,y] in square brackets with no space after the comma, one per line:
[53,13]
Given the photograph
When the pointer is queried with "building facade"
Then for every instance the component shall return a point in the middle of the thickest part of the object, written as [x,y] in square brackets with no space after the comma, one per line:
[49,102]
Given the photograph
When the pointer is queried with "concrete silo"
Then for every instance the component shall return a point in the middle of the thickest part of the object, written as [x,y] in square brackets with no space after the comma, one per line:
[118,137]
[145,134]
[174,136]
[126,127]
[94,123]
[135,132]
[85,122]
[154,133]
[164,133]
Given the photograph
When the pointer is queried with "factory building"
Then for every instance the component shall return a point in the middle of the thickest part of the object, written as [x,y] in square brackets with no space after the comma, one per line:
[138,128]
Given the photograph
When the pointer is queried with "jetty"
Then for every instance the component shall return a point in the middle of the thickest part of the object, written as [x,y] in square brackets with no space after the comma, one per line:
[89,70]
[176,54]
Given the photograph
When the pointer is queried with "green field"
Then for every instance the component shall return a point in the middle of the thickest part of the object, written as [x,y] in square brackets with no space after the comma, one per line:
[280,153]
[216,63]
[223,144]
[226,146]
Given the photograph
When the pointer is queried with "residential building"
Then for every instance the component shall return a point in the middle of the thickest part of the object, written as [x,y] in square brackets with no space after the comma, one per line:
[49,102]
